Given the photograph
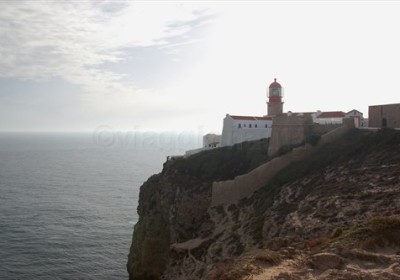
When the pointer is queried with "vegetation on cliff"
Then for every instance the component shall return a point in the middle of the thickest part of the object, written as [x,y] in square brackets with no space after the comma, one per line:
[355,148]
[224,163]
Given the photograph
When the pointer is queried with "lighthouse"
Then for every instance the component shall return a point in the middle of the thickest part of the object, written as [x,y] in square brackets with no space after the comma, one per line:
[274,103]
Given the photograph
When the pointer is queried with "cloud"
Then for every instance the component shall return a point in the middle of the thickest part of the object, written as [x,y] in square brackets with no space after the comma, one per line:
[41,40]
[178,64]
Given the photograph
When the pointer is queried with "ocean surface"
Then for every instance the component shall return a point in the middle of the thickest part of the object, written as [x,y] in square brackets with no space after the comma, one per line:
[68,201]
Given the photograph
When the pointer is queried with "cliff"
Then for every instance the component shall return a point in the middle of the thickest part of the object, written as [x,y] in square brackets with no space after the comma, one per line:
[333,214]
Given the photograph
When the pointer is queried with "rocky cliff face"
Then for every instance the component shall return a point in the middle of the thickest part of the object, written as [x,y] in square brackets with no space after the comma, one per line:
[173,205]
[333,215]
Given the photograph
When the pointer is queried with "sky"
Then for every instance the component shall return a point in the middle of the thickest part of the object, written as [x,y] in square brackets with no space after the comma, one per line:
[74,66]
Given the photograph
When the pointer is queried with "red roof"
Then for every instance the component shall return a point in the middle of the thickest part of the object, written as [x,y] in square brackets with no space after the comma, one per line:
[275,84]
[333,114]
[251,118]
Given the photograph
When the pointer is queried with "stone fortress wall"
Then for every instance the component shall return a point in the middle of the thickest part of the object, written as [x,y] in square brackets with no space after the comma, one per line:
[289,130]
[320,129]
[231,191]
[384,115]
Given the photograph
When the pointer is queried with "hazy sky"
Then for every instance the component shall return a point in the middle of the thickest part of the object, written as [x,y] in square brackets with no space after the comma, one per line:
[80,65]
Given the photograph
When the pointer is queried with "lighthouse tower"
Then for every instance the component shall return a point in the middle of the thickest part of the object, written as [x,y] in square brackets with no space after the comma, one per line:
[275,94]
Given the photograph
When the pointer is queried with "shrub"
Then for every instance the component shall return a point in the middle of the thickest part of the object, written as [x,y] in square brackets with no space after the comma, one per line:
[313,139]
[269,257]
[226,162]
[312,243]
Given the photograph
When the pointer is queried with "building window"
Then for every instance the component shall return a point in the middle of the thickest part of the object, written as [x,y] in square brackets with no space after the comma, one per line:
[240,125]
[255,125]
[250,125]
[266,125]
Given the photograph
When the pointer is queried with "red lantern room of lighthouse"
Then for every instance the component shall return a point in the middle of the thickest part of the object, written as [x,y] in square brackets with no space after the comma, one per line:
[274,103]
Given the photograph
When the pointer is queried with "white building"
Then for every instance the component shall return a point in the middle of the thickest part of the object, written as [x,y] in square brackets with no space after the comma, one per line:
[211,140]
[359,120]
[238,129]
[333,117]
[336,117]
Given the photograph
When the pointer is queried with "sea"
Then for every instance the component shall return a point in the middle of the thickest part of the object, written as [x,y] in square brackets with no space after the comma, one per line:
[68,201]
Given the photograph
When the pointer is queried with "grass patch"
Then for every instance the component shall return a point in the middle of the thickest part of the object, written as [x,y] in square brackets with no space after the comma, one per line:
[231,270]
[376,232]
[268,257]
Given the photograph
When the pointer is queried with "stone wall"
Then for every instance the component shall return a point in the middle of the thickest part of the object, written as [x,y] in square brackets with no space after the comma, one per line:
[231,191]
[378,113]
[320,129]
[289,130]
